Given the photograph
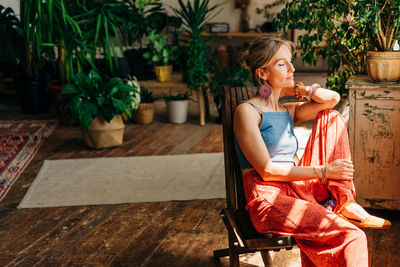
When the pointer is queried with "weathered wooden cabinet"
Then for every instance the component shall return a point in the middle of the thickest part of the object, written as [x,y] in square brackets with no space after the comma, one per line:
[374,131]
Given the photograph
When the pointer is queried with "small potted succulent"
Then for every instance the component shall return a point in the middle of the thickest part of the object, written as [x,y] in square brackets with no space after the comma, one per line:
[177,107]
[144,114]
[97,105]
[160,54]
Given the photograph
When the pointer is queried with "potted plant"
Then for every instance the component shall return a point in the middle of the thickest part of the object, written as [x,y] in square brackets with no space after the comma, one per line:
[339,31]
[142,17]
[160,54]
[383,64]
[269,11]
[144,114]
[97,106]
[11,51]
[11,41]
[194,17]
[32,89]
[177,107]
[80,30]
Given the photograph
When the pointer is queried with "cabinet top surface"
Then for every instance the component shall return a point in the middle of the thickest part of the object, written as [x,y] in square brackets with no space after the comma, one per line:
[364,82]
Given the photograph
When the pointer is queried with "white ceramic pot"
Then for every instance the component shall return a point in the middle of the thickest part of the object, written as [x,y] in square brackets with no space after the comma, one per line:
[177,110]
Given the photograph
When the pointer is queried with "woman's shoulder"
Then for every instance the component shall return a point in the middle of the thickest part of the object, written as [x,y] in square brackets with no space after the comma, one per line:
[246,112]
[248,106]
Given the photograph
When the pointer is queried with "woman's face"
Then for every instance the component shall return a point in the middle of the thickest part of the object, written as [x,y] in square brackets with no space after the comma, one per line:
[279,72]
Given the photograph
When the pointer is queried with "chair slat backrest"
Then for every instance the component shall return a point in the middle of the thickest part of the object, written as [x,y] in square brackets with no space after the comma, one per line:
[232,97]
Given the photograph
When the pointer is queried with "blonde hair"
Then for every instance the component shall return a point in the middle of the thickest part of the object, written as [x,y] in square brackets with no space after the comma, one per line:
[261,52]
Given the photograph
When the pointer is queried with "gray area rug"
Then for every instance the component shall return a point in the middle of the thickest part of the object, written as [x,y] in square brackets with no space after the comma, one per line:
[98,181]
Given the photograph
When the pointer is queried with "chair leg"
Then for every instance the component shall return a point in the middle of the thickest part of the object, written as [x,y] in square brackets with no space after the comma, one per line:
[233,253]
[233,258]
[266,257]
[219,253]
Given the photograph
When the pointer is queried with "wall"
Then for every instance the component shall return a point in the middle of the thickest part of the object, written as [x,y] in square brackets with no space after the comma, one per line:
[228,14]
[14,4]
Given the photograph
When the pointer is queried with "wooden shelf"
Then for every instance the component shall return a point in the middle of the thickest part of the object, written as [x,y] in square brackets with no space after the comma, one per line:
[231,35]
[176,83]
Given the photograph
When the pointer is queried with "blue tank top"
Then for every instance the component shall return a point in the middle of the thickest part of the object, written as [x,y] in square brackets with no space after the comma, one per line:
[277,132]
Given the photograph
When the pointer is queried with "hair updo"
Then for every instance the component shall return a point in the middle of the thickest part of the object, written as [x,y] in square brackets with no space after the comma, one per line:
[261,51]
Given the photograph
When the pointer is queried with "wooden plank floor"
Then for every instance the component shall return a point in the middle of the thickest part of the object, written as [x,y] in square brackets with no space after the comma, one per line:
[177,233]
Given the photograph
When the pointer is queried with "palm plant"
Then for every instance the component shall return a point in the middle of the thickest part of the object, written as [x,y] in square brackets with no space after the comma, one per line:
[101,22]
[194,17]
[80,30]
[38,36]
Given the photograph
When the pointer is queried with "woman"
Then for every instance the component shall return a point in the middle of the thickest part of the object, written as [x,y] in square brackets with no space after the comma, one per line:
[285,199]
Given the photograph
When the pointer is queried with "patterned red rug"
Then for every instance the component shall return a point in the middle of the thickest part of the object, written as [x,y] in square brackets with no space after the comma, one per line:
[19,142]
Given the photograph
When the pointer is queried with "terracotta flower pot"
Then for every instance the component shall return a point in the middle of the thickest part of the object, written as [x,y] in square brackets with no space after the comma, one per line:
[144,114]
[103,134]
[383,66]
[163,73]
[59,100]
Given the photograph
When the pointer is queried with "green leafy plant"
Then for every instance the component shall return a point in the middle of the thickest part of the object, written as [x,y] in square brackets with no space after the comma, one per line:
[91,96]
[101,22]
[177,97]
[266,10]
[382,19]
[146,96]
[142,17]
[11,48]
[232,76]
[79,29]
[195,16]
[37,22]
[159,52]
[333,32]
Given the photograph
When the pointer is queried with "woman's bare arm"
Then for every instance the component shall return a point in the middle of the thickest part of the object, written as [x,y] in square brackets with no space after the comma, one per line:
[321,99]
[245,126]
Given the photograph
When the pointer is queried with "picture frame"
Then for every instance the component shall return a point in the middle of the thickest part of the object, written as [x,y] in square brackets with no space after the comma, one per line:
[218,27]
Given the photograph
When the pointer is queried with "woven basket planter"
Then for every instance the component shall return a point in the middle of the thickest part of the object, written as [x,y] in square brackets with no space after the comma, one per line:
[103,134]
[144,114]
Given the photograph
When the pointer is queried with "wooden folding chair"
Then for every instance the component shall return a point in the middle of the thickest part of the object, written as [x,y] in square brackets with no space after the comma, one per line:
[243,238]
